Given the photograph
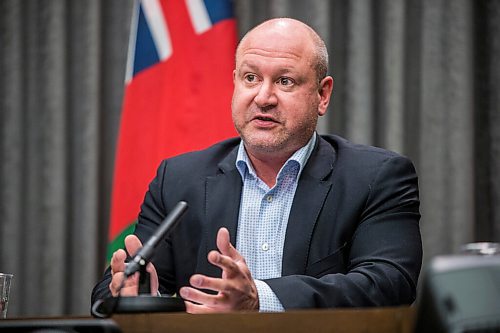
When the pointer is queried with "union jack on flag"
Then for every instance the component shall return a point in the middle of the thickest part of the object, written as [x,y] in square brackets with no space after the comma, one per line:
[178,88]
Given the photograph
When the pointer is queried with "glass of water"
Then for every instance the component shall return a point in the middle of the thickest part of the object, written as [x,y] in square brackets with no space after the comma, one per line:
[481,249]
[5,280]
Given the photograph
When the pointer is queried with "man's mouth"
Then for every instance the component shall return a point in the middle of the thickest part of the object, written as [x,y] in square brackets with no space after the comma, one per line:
[265,119]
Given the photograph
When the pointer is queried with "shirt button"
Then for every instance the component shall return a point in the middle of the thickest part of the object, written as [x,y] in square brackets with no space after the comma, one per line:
[265,247]
[269,198]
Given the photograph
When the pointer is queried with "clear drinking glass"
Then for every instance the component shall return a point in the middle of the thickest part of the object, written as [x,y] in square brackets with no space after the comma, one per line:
[481,249]
[5,280]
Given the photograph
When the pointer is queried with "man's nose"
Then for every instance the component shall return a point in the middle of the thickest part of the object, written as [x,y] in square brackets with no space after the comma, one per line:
[266,95]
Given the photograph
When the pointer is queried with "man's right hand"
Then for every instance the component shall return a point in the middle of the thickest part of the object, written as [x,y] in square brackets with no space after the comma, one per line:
[131,286]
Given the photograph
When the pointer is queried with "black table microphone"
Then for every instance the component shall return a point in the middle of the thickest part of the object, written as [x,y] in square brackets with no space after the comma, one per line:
[103,308]
[143,256]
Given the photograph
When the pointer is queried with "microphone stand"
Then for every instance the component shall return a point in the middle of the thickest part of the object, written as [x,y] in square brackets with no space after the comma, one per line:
[144,302]
[144,281]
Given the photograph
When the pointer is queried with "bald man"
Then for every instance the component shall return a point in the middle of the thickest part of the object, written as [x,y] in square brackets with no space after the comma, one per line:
[281,217]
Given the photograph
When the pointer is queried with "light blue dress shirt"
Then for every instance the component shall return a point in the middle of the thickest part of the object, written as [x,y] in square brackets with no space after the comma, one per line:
[263,220]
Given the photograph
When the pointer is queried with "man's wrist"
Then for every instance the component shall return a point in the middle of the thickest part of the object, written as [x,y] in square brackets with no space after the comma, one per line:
[268,301]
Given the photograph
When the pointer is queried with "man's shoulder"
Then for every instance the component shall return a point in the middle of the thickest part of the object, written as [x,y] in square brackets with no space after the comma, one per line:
[362,161]
[358,166]
[346,150]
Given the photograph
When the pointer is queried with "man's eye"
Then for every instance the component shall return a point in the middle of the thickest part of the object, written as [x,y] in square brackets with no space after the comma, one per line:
[250,78]
[285,81]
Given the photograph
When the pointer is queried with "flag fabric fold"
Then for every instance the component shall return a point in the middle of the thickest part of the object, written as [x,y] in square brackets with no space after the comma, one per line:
[178,90]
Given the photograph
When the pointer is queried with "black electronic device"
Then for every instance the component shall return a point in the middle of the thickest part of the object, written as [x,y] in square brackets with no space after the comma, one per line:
[460,294]
[144,302]
[143,256]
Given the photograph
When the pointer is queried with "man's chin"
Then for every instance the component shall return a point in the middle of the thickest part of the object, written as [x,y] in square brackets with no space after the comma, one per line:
[268,145]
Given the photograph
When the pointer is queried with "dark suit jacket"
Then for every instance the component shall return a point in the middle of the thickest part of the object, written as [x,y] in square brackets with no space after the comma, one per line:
[352,238]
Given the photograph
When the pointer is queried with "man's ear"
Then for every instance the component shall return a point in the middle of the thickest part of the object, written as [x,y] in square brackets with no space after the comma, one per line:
[325,92]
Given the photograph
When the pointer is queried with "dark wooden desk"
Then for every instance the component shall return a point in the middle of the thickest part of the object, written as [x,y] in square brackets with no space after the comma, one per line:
[376,320]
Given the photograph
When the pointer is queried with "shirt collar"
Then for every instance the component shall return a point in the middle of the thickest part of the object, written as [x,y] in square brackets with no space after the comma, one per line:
[301,156]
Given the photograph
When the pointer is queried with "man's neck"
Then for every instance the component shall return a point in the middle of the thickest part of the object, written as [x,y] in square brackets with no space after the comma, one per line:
[267,164]
[267,168]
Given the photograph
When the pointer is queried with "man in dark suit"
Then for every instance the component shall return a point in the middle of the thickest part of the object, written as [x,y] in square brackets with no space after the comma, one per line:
[283,218]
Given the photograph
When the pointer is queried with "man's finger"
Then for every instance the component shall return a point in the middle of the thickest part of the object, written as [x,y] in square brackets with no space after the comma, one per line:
[132,244]
[197,296]
[200,309]
[154,283]
[118,261]
[129,287]
[224,244]
[205,282]
[227,264]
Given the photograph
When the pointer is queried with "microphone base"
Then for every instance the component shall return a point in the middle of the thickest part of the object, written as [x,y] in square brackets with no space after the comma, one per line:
[142,304]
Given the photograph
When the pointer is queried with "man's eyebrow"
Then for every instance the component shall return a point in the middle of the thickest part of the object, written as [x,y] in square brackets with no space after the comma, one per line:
[247,64]
[280,71]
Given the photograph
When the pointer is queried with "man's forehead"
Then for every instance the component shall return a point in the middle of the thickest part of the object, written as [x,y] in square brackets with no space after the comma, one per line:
[275,45]
[259,65]
[271,52]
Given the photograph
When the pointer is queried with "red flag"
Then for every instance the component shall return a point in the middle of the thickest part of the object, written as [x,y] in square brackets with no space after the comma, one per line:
[177,95]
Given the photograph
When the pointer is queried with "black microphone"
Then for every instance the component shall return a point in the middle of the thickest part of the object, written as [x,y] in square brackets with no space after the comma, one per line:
[143,256]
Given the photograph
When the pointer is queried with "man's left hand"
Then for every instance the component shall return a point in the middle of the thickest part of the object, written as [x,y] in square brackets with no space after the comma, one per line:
[236,288]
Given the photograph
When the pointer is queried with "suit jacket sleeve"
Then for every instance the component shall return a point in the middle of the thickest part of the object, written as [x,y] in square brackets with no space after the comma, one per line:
[383,257]
[152,213]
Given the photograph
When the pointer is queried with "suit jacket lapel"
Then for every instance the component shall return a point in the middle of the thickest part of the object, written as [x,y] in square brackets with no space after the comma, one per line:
[313,187]
[223,195]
